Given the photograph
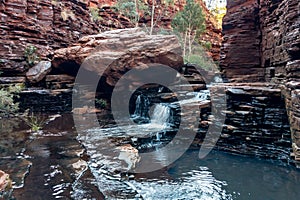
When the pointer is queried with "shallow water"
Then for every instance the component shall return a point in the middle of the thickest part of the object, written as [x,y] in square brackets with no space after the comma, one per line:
[218,176]
[57,167]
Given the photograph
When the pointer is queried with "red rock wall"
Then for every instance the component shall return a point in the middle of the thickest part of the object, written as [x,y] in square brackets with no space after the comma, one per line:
[240,51]
[260,38]
[53,24]
[39,23]
[262,43]
[280,36]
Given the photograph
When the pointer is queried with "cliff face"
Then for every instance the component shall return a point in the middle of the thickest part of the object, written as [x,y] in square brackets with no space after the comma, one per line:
[49,25]
[45,24]
[260,38]
[240,51]
[262,43]
[280,25]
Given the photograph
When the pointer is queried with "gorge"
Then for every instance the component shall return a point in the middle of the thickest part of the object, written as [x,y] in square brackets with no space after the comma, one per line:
[85,150]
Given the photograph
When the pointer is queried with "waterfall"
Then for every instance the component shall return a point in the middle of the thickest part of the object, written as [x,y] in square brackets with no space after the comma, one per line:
[202,95]
[160,89]
[161,115]
[141,108]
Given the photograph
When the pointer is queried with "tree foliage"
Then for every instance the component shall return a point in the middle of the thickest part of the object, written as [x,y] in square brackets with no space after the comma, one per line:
[189,24]
[31,55]
[7,99]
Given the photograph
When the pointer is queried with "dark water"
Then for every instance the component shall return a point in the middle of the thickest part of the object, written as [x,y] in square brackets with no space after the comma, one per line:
[244,177]
[52,164]
[47,164]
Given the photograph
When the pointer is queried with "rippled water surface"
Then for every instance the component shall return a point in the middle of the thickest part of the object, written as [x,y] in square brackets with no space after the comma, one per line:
[56,167]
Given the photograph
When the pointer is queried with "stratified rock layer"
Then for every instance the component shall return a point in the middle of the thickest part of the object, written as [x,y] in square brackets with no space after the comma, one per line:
[260,38]
[44,24]
[262,43]
[111,54]
[240,51]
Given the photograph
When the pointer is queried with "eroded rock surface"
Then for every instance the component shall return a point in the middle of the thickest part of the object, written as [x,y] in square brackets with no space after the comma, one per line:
[260,38]
[44,24]
[111,54]
[262,43]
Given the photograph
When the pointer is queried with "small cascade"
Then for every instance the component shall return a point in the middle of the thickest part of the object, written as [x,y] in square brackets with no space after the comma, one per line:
[141,113]
[202,95]
[161,115]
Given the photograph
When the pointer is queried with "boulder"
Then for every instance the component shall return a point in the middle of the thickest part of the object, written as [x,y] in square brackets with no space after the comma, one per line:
[39,71]
[5,182]
[111,54]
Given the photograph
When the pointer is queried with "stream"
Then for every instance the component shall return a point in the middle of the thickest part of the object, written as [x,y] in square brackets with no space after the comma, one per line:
[59,163]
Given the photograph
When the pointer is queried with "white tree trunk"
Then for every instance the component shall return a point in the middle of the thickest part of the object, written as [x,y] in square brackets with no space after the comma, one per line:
[152,17]
[184,44]
[137,18]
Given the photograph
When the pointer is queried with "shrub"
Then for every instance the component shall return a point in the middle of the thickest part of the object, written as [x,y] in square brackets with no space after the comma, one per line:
[35,123]
[207,45]
[31,55]
[8,106]
[132,9]
[101,102]
[200,58]
[95,14]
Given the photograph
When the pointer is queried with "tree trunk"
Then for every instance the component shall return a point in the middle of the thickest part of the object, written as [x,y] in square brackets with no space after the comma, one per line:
[184,44]
[152,18]
[137,18]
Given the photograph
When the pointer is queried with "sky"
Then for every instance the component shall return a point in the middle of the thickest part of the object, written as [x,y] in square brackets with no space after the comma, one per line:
[211,4]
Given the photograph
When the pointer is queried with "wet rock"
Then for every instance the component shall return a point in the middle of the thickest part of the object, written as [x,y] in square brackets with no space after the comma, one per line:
[130,155]
[85,110]
[59,81]
[256,122]
[5,186]
[292,94]
[9,80]
[39,71]
[46,100]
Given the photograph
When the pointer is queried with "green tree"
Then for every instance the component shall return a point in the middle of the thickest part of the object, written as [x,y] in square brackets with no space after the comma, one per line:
[8,106]
[189,24]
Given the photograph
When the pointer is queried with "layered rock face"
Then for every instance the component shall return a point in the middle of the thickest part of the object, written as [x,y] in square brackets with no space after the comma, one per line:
[49,25]
[262,43]
[256,122]
[240,51]
[44,24]
[113,53]
[260,38]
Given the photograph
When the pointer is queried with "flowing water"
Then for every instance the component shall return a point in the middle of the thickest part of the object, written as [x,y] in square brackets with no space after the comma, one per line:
[59,163]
